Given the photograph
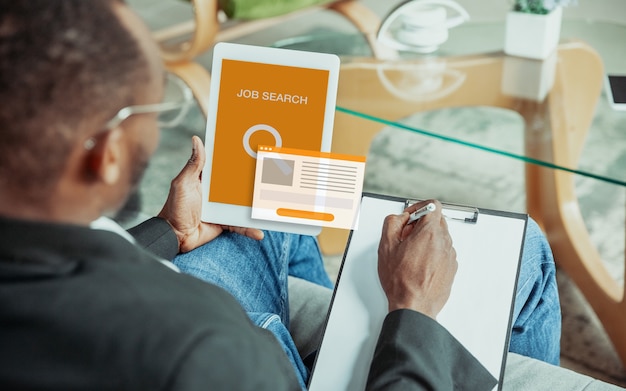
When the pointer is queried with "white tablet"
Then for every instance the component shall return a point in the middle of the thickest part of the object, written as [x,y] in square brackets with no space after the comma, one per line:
[262,96]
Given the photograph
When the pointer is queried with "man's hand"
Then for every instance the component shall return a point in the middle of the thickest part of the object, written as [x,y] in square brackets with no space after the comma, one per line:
[182,210]
[416,262]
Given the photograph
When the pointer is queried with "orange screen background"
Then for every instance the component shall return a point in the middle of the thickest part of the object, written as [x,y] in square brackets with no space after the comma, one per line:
[300,125]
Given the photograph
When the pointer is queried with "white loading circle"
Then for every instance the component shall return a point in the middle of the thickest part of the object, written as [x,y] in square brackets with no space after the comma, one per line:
[246,137]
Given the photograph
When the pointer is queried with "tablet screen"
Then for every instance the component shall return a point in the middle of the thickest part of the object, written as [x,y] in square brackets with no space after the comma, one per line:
[262,96]
[262,104]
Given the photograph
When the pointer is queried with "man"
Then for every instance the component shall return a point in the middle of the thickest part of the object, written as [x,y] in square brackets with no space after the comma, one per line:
[84,306]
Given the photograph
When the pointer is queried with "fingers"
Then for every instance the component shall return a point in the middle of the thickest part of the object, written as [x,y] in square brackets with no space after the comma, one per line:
[414,226]
[395,227]
[421,204]
[392,227]
[417,262]
[195,164]
[252,233]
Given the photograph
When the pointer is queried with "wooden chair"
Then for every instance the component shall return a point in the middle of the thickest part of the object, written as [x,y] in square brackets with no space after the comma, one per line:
[181,43]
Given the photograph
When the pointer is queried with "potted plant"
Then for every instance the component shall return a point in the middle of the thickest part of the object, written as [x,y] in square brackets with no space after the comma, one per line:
[533,28]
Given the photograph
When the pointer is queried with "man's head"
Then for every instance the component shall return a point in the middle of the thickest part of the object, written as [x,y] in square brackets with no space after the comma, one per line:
[66,68]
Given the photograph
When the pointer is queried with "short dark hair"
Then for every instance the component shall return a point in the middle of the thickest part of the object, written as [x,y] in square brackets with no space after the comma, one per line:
[64,66]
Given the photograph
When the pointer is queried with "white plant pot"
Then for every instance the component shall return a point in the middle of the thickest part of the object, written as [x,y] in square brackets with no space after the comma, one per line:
[528,78]
[531,35]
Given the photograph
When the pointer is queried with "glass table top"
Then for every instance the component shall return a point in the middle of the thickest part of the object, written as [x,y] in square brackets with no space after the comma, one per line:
[558,101]
[475,38]
[455,125]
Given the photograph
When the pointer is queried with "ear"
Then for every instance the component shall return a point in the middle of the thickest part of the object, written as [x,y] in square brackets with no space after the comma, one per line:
[105,159]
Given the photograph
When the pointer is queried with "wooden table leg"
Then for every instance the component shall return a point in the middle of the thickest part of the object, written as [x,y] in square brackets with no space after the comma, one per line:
[551,197]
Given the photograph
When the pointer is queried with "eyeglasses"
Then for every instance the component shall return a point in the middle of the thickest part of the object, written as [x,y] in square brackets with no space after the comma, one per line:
[177,100]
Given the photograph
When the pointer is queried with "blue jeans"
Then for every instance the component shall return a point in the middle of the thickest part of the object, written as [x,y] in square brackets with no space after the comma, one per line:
[255,273]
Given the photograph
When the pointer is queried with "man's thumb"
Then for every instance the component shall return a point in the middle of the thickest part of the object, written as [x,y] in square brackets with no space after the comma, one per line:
[195,164]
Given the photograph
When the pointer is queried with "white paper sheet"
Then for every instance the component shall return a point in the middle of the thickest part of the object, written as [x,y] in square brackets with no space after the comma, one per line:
[478,312]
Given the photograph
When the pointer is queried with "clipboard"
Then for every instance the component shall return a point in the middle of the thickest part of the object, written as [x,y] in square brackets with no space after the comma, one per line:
[478,313]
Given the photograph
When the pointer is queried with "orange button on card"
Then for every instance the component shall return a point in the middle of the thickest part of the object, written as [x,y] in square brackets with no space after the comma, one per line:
[305,214]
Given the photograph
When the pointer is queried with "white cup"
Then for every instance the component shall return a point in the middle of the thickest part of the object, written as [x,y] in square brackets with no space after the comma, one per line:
[423,25]
[424,28]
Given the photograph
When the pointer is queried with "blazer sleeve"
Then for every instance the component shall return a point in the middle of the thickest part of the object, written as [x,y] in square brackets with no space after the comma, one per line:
[156,236]
[414,352]
[219,363]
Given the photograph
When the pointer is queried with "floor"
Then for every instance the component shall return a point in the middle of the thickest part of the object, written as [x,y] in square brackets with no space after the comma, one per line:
[585,346]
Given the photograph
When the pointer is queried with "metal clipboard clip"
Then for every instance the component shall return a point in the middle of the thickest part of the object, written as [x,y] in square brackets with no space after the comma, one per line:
[466,214]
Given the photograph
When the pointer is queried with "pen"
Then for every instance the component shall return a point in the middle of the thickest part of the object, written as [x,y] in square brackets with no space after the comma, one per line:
[421,212]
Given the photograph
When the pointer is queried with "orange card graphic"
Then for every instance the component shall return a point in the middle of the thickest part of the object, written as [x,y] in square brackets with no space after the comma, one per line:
[316,188]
